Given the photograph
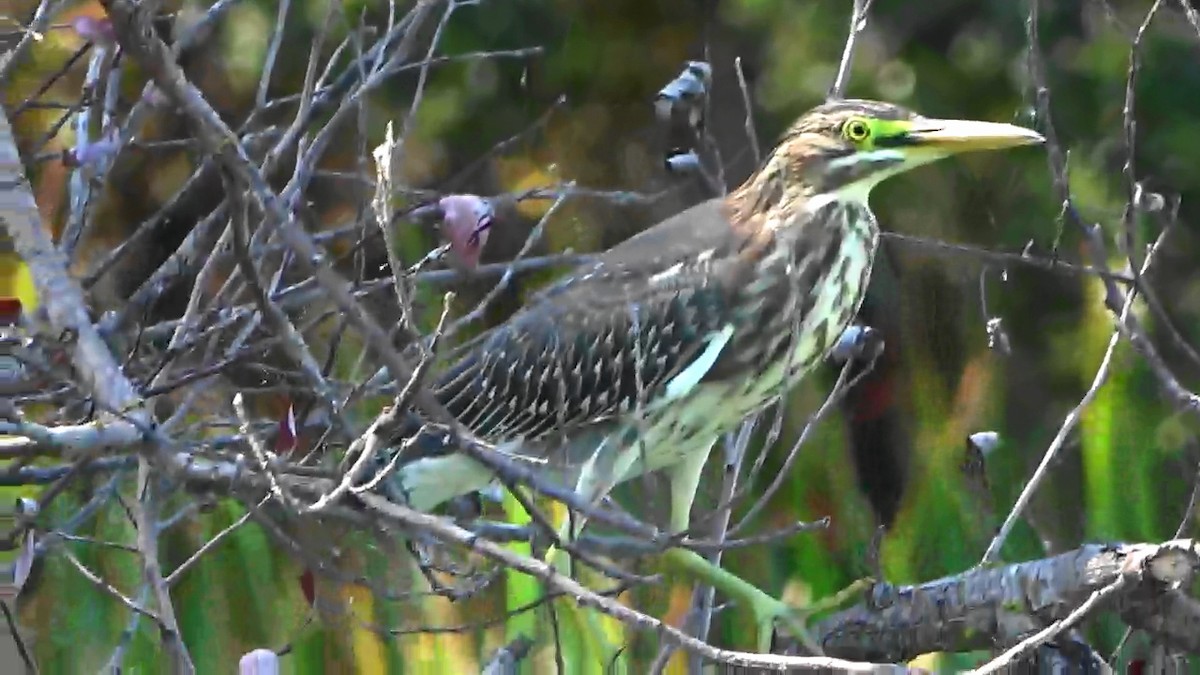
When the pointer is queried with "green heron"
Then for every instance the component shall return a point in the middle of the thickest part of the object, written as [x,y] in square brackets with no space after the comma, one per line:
[641,360]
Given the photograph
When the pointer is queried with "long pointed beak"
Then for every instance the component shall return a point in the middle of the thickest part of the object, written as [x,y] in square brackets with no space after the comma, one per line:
[954,136]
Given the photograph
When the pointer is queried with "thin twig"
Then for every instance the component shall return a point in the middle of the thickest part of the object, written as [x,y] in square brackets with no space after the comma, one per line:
[1048,264]
[264,80]
[26,657]
[385,156]
[840,388]
[1129,140]
[42,16]
[175,575]
[118,656]
[111,590]
[292,340]
[858,23]
[144,509]
[81,187]
[703,605]
[751,131]
[265,460]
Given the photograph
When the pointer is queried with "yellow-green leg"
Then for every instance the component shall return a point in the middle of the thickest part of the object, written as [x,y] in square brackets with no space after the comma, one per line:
[605,468]
[767,611]
[595,481]
[684,479]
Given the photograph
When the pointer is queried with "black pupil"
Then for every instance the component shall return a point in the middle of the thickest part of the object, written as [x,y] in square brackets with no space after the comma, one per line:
[858,130]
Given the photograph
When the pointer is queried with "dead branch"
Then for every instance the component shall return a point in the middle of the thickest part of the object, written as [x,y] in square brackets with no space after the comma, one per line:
[988,607]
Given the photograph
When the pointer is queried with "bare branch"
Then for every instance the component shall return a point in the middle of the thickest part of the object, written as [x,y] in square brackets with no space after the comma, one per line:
[63,300]
[144,517]
[987,606]
[9,60]
[1060,438]
[1053,630]
[858,23]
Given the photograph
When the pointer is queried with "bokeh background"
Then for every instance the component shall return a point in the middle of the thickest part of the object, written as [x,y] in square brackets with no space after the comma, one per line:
[894,454]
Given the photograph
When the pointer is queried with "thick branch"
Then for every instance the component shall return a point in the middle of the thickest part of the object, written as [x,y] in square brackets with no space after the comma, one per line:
[62,300]
[981,608]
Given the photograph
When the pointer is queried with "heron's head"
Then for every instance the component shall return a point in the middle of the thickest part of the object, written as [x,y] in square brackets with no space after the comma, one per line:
[845,148]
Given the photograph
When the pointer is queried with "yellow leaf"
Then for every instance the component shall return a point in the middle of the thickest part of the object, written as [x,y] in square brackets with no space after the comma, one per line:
[15,279]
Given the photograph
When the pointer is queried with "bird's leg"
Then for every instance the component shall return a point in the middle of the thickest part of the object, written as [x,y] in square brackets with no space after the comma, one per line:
[767,611]
[684,479]
[605,468]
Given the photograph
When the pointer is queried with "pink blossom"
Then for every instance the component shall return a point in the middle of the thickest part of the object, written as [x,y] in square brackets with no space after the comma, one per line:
[259,662]
[155,96]
[95,153]
[466,221]
[92,29]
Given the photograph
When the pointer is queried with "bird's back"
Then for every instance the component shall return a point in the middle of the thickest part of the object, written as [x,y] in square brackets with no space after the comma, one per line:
[606,339]
[693,313]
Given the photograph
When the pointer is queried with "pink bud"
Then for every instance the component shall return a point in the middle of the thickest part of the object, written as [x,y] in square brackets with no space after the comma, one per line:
[259,662]
[466,221]
[92,153]
[92,29]
[155,96]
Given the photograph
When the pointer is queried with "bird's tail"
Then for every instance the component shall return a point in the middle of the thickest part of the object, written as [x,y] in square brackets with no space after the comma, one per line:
[414,437]
[425,470]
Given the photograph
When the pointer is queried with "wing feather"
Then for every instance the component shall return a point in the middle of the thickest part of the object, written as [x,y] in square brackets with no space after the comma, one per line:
[609,336]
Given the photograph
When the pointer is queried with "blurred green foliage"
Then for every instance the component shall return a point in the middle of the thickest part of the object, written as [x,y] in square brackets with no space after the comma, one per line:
[1126,472]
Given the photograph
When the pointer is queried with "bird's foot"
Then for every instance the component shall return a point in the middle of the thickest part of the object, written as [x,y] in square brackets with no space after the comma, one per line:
[769,613]
[795,618]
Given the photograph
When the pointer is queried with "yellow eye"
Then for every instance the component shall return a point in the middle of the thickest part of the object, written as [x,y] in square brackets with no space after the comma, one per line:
[856,130]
